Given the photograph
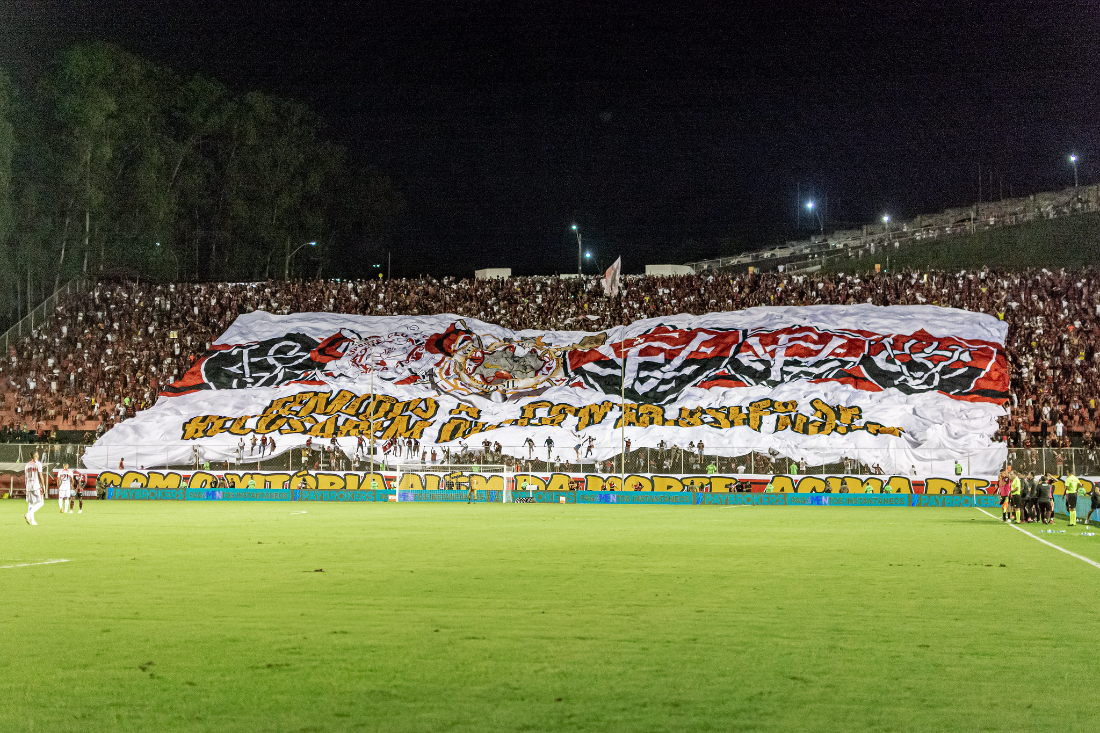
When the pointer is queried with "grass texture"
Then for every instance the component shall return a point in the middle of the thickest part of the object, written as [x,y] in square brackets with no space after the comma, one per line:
[448,617]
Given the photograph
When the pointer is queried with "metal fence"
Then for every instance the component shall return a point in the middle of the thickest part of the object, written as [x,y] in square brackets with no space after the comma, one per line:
[672,460]
[40,314]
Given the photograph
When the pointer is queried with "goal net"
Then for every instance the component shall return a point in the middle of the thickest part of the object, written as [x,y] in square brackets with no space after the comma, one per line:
[454,482]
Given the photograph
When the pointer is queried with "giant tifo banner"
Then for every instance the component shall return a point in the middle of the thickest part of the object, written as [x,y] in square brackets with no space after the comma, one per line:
[892,387]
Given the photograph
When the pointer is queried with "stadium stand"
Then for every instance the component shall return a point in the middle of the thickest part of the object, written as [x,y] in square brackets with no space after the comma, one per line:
[107,352]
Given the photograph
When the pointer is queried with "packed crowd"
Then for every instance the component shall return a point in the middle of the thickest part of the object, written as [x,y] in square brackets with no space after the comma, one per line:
[107,352]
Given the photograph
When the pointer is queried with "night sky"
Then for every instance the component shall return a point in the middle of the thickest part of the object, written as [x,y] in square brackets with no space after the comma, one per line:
[503,123]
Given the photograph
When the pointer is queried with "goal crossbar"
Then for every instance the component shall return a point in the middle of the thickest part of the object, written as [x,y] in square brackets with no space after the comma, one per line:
[453,481]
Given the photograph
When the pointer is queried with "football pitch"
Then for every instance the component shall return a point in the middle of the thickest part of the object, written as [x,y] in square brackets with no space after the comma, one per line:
[212,616]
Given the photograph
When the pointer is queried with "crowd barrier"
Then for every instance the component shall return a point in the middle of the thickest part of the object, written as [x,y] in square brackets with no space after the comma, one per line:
[651,498]
[550,488]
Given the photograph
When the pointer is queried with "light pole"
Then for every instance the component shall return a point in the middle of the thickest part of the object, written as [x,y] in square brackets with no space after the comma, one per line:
[1073,162]
[813,210]
[886,224]
[622,407]
[289,254]
[578,231]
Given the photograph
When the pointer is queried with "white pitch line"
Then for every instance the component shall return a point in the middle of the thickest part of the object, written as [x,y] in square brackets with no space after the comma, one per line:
[1082,558]
[28,564]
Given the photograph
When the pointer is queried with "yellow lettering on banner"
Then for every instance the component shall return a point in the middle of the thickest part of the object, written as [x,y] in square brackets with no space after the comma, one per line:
[722,484]
[900,485]
[351,481]
[721,421]
[939,486]
[240,480]
[293,425]
[782,485]
[612,483]
[326,429]
[474,413]
[875,429]
[425,408]
[356,406]
[558,413]
[651,416]
[276,480]
[108,479]
[788,406]
[690,417]
[380,407]
[159,480]
[979,485]
[811,484]
[757,411]
[452,430]
[290,405]
[848,415]
[737,416]
[871,485]
[339,402]
[696,483]
[826,418]
[240,426]
[410,482]
[668,483]
[353,428]
[269,423]
[527,414]
[839,483]
[646,483]
[558,482]
[800,423]
[487,483]
[592,482]
[591,415]
[196,427]
[330,482]
[628,417]
[130,476]
[534,483]
[202,480]
[312,403]
[400,428]
[782,422]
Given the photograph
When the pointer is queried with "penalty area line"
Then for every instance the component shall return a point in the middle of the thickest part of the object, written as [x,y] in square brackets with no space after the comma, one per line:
[1082,558]
[29,564]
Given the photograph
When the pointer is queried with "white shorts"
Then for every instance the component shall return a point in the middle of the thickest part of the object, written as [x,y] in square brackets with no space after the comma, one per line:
[64,493]
[34,495]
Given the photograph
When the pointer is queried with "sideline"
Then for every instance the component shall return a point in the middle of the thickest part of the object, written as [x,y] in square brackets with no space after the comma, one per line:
[1051,544]
[29,564]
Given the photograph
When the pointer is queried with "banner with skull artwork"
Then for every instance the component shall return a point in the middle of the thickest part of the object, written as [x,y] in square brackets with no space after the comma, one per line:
[894,387]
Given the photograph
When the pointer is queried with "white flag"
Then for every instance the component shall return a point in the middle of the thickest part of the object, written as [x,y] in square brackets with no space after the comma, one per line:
[611,278]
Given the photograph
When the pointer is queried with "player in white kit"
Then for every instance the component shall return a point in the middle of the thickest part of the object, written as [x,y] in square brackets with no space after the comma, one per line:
[36,488]
[64,488]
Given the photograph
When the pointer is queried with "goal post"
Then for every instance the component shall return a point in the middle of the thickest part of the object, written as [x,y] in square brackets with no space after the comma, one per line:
[453,482]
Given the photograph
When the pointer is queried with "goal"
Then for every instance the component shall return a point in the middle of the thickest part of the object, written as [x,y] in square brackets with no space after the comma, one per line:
[453,481]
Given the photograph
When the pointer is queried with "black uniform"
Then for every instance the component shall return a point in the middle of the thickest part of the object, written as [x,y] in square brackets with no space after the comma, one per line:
[1046,501]
[1095,496]
[1031,499]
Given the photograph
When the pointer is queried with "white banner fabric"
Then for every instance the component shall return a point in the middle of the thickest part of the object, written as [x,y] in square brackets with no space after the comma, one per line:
[893,387]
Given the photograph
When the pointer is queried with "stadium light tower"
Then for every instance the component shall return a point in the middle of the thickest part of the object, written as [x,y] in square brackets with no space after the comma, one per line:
[289,254]
[578,231]
[1073,162]
[813,210]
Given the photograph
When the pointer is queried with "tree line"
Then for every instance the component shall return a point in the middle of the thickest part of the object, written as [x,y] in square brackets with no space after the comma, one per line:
[114,165]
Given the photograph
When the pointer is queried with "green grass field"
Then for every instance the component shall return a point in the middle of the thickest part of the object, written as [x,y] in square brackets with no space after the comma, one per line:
[447,617]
